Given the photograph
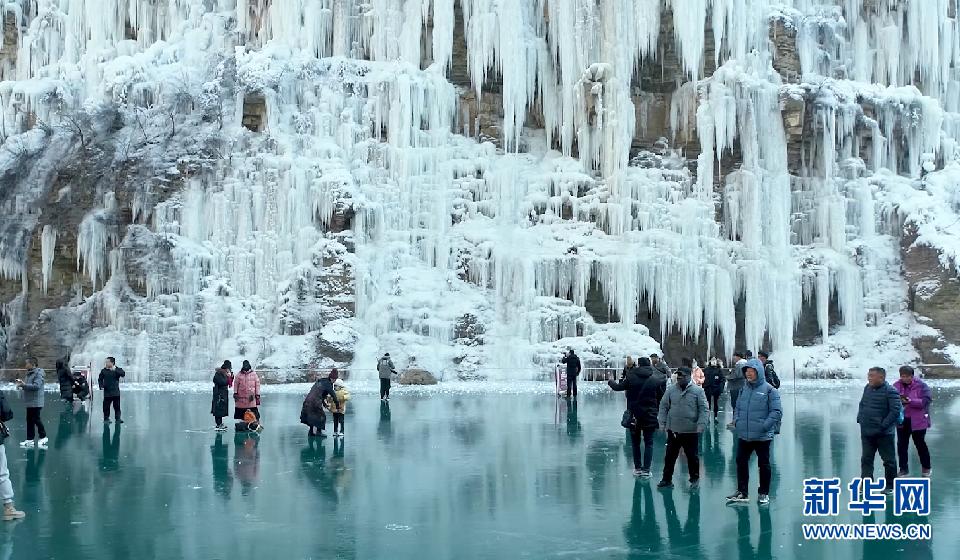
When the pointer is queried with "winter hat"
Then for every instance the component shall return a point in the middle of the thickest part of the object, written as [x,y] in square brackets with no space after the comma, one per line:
[338,384]
[334,374]
[246,366]
[643,361]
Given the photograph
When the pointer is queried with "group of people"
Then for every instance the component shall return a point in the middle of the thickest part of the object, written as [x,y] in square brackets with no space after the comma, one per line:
[328,394]
[678,404]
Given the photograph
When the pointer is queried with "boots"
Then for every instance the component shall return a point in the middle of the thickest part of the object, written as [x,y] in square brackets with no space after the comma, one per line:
[10,512]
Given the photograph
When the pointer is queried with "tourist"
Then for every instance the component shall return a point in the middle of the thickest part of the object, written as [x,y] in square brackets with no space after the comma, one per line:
[386,370]
[337,403]
[220,406]
[109,383]
[683,415]
[312,412]
[644,387]
[915,396]
[246,392]
[627,367]
[696,374]
[65,379]
[713,383]
[32,389]
[770,374]
[757,419]
[735,381]
[573,370]
[660,365]
[880,409]
[10,512]
[81,387]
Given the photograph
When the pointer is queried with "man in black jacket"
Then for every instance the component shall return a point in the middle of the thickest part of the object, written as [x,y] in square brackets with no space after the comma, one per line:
[879,412]
[573,370]
[644,388]
[109,383]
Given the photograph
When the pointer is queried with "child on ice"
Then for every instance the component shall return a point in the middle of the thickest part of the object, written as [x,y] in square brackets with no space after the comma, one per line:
[338,409]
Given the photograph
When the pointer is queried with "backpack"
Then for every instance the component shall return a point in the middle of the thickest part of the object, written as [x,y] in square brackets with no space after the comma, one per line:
[6,413]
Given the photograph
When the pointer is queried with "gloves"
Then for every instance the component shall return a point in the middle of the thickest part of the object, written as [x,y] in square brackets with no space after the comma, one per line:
[258,400]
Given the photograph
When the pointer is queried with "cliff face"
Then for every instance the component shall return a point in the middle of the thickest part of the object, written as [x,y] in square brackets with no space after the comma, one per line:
[476,184]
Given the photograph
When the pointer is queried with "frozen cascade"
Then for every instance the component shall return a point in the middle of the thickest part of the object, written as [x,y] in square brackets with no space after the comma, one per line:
[462,253]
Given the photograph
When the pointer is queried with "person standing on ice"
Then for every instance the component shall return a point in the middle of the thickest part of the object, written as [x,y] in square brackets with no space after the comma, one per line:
[915,396]
[879,412]
[660,365]
[683,415]
[311,412]
[696,374]
[644,387]
[109,383]
[32,389]
[10,511]
[757,419]
[769,373]
[220,405]
[735,382]
[385,369]
[573,370]
[246,392]
[65,380]
[713,384]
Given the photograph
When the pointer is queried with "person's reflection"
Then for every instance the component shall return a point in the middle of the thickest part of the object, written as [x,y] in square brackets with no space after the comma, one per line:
[712,456]
[684,540]
[384,429]
[764,550]
[313,465]
[6,546]
[246,461]
[765,545]
[65,427]
[110,456]
[642,532]
[34,468]
[573,422]
[222,478]
[338,449]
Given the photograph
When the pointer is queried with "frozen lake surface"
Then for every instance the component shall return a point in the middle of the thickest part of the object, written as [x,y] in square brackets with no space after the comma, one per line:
[447,472]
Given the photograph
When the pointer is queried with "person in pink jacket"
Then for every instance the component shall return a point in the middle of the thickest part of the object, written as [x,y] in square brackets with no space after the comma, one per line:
[696,375]
[915,396]
[246,392]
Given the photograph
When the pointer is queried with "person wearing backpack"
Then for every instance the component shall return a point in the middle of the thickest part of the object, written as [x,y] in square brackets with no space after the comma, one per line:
[385,370]
[879,412]
[769,373]
[756,419]
[10,511]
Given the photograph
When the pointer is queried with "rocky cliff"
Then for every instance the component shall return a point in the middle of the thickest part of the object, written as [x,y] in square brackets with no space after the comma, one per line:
[477,184]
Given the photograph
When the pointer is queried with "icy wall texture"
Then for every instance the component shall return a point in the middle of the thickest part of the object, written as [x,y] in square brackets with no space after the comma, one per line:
[460,181]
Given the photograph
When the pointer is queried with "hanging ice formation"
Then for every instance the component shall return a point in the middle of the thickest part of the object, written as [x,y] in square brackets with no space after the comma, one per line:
[453,180]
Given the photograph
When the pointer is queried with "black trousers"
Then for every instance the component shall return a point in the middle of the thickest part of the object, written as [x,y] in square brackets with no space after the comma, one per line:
[338,422]
[219,420]
[871,445]
[384,388]
[744,450]
[571,384]
[645,459]
[106,407]
[713,399]
[904,433]
[34,423]
[690,443]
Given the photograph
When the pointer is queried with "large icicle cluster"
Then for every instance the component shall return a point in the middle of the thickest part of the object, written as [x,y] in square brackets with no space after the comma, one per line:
[461,251]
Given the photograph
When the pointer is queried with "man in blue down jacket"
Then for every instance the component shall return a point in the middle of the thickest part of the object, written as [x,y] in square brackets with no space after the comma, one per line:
[879,412]
[757,418]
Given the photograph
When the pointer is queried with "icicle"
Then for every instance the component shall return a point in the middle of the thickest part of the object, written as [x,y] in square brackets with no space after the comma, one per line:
[48,245]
